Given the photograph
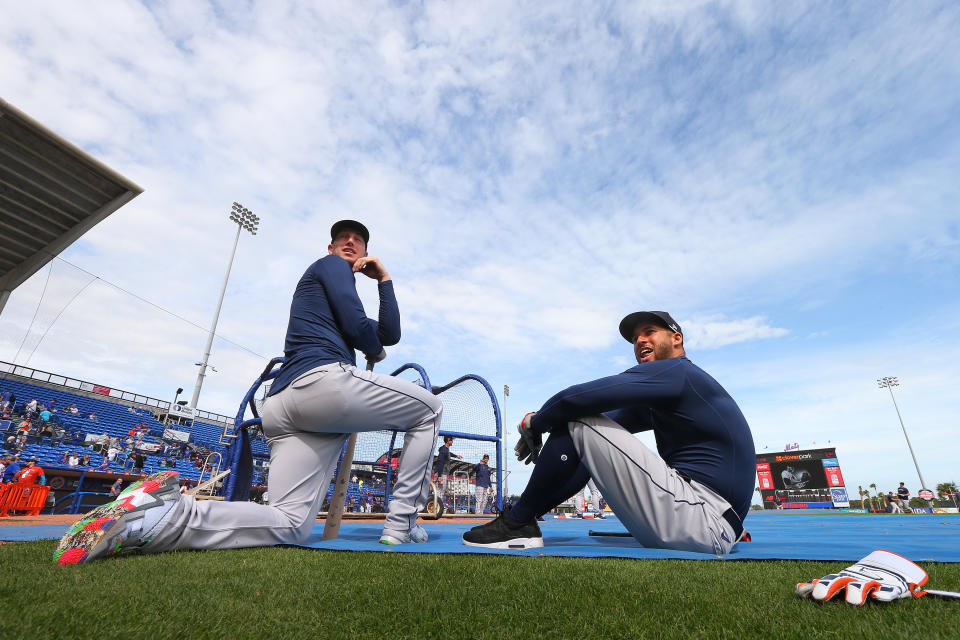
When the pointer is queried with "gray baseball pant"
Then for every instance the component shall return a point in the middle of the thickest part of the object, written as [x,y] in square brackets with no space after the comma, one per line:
[306,425]
[659,508]
[481,494]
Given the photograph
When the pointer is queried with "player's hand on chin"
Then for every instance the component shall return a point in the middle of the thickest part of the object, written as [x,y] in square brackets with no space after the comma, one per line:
[371,267]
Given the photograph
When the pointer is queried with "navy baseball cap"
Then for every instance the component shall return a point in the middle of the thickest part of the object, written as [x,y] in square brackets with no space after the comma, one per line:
[352,225]
[659,318]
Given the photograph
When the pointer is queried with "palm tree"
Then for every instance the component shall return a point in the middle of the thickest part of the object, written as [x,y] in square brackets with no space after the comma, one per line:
[947,489]
[879,498]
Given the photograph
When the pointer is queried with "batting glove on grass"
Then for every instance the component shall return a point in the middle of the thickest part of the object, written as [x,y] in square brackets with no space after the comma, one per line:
[882,575]
[528,447]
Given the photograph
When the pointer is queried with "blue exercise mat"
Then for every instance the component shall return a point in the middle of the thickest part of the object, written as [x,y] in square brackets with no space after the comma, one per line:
[830,537]
[814,537]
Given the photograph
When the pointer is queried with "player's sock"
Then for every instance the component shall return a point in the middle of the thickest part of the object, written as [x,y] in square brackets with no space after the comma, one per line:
[557,475]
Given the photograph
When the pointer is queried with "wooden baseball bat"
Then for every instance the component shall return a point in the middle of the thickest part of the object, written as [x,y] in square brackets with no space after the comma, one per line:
[611,534]
[331,527]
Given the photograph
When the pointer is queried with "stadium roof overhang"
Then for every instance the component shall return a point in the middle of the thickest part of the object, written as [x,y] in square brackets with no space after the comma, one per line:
[51,193]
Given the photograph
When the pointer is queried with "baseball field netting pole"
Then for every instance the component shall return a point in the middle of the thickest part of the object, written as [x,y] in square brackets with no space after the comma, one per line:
[506,452]
[889,383]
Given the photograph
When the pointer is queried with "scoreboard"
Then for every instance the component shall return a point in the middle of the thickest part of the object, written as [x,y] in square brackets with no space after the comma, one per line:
[801,479]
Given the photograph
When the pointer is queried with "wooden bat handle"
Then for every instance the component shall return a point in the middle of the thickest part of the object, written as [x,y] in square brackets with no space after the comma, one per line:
[331,527]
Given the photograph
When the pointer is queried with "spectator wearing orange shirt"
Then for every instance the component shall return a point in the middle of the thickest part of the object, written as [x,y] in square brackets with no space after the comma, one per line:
[32,473]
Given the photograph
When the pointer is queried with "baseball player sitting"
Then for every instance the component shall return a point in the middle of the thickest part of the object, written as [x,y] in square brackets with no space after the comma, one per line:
[693,498]
[318,398]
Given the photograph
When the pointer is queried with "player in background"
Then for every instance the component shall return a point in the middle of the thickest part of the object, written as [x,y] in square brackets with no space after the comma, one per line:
[595,496]
[693,498]
[441,465]
[318,398]
[904,495]
[481,489]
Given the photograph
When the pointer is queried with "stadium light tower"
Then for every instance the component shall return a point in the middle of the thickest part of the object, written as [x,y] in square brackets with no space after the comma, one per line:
[244,219]
[889,383]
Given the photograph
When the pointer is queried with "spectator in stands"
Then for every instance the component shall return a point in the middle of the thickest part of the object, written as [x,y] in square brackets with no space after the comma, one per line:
[102,442]
[65,457]
[10,468]
[76,437]
[112,452]
[92,416]
[13,402]
[73,460]
[21,442]
[104,465]
[73,409]
[30,407]
[45,415]
[85,460]
[52,406]
[25,426]
[4,400]
[32,473]
[129,444]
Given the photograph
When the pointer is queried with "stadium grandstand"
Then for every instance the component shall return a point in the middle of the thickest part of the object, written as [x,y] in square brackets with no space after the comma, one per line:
[89,418]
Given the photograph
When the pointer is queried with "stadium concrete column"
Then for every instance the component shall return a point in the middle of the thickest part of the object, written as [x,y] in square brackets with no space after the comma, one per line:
[245,219]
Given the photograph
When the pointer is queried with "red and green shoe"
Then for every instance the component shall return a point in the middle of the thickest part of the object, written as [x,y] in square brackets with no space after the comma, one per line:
[126,524]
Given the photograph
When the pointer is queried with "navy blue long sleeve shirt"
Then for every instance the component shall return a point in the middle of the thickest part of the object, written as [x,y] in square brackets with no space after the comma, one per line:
[699,429]
[327,321]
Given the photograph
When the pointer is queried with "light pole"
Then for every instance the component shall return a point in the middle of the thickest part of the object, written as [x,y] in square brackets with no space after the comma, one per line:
[889,383]
[166,420]
[245,219]
[506,457]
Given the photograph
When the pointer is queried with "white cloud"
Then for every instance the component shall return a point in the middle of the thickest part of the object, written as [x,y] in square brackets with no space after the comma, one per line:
[530,174]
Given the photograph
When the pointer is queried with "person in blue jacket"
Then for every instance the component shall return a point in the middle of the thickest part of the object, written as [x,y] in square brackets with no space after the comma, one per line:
[693,496]
[319,397]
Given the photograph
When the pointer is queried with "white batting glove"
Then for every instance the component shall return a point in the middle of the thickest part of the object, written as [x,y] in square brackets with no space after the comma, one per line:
[528,447]
[882,575]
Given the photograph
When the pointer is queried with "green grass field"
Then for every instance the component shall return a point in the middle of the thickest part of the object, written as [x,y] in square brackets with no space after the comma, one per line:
[301,593]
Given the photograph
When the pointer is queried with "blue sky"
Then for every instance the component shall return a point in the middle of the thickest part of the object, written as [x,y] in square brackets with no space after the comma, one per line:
[782,179]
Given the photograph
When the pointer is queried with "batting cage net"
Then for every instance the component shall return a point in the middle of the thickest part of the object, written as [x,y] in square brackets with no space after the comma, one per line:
[471,417]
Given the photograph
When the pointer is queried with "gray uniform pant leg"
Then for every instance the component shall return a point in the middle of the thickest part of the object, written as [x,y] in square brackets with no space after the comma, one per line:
[306,425]
[657,506]
[594,496]
[481,493]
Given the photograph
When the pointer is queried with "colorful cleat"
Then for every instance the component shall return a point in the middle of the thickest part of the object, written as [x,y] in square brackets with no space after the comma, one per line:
[126,524]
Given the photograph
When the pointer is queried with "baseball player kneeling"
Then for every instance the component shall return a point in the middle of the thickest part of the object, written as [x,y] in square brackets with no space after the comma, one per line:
[692,497]
[318,398]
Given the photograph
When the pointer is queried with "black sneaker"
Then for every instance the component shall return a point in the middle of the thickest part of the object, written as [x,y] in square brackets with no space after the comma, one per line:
[505,533]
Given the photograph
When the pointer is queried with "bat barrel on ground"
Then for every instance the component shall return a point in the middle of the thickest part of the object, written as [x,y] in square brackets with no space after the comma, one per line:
[611,534]
[331,528]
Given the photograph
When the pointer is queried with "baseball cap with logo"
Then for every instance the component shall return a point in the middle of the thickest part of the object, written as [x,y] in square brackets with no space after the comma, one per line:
[352,225]
[659,318]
